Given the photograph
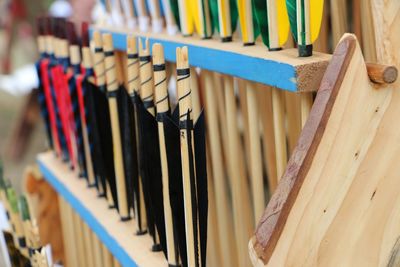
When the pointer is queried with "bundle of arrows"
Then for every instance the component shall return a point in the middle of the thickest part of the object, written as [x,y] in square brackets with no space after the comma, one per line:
[141,155]
[22,239]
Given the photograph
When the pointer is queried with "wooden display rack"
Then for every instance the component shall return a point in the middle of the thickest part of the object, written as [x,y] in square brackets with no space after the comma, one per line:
[119,238]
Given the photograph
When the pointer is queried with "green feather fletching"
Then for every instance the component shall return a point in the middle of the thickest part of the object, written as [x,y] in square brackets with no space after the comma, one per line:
[292,13]
[12,199]
[24,208]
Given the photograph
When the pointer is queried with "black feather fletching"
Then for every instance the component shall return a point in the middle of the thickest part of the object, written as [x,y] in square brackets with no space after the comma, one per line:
[172,145]
[105,135]
[150,169]
[199,203]
[201,182]
[126,120]
[99,167]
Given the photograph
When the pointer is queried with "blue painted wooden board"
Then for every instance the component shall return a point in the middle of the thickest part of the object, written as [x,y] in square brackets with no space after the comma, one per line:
[108,240]
[281,69]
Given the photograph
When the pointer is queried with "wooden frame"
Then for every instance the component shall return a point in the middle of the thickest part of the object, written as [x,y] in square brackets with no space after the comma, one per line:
[335,204]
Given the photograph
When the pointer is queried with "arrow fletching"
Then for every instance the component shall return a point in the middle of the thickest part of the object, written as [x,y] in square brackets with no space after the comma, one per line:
[273,21]
[248,22]
[305,22]
[224,15]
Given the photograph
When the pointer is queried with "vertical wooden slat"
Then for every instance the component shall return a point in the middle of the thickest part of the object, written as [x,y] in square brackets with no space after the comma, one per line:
[224,213]
[268,134]
[292,107]
[256,169]
[278,106]
[242,212]
[306,101]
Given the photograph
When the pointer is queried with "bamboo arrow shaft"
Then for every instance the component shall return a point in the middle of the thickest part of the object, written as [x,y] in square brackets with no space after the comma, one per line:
[76,60]
[146,77]
[112,88]
[134,91]
[162,100]
[185,117]
[100,81]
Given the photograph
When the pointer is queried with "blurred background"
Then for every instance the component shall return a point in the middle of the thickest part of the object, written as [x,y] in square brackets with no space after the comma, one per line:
[21,128]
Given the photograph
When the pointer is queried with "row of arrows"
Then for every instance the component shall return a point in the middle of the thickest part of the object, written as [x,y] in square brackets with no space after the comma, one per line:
[24,247]
[269,18]
[127,142]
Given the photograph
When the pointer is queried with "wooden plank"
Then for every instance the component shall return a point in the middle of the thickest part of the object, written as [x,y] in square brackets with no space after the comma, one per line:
[338,201]
[290,72]
[117,236]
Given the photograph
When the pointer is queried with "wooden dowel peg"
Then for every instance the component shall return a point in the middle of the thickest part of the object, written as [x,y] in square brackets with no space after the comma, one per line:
[382,74]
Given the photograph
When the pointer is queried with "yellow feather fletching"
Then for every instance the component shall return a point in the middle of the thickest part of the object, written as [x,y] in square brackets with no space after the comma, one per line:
[283,21]
[316,11]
